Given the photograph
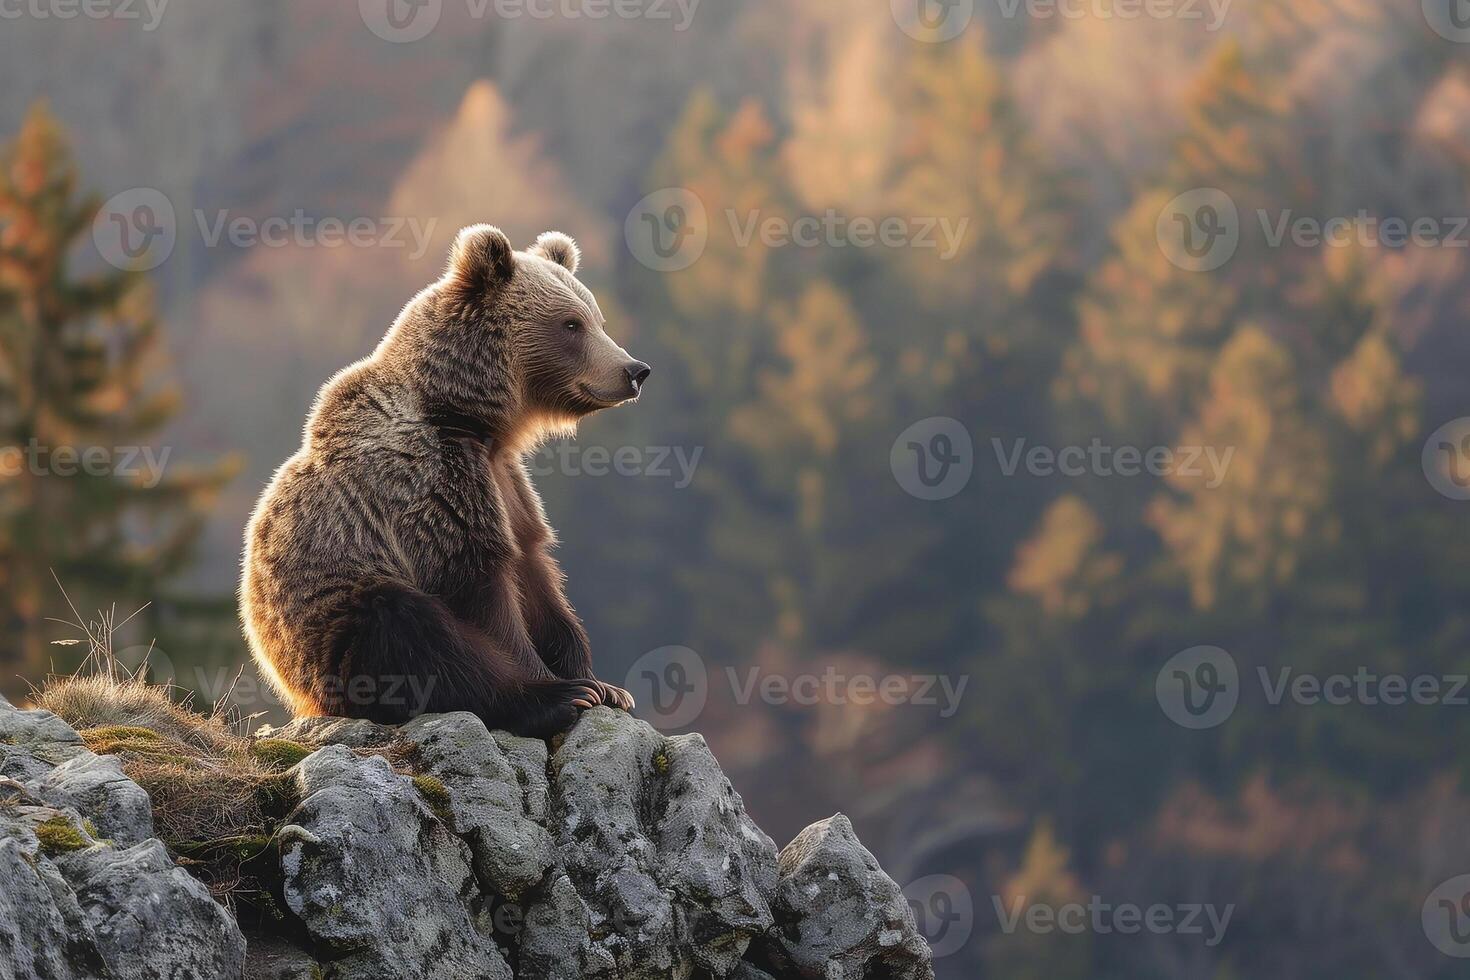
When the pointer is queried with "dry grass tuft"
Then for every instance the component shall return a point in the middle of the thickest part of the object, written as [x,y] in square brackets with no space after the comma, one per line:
[99,701]
[217,803]
[199,794]
[218,798]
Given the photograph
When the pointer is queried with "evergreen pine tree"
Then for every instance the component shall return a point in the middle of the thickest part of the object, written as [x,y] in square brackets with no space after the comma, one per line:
[82,379]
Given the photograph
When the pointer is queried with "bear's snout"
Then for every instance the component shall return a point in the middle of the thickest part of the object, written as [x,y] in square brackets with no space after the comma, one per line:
[637,373]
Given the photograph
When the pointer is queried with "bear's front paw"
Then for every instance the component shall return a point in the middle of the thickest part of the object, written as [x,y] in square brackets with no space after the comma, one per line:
[616,697]
[579,692]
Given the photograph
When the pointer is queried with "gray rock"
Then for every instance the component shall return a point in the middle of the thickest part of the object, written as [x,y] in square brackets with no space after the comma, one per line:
[75,909]
[380,883]
[627,855]
[95,786]
[357,733]
[719,864]
[43,932]
[34,742]
[40,750]
[487,800]
[606,843]
[673,873]
[70,904]
[527,756]
[839,915]
[150,917]
[557,941]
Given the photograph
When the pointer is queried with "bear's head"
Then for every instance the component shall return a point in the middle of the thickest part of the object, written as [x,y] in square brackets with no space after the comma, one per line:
[527,336]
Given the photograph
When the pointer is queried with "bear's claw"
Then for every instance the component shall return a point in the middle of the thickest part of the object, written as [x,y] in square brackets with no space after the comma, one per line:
[615,697]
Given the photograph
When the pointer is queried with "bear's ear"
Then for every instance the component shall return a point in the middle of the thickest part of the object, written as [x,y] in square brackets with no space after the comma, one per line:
[558,248]
[481,259]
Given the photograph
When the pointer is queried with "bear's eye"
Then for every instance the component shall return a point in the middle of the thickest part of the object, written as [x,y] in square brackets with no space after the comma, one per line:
[573,325]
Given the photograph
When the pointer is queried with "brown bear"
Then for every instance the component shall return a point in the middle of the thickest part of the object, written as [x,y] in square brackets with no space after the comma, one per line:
[400,562]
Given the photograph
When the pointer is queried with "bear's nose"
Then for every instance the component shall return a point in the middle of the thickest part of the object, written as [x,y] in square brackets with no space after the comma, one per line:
[638,373]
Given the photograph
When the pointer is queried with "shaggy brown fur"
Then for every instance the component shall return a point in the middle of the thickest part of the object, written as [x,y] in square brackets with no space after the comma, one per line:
[401,562]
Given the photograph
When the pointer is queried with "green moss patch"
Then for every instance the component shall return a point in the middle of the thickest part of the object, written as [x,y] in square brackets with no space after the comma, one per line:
[58,836]
[436,794]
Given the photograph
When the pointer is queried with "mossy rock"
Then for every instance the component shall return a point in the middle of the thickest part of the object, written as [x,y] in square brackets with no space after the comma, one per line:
[436,794]
[279,753]
[58,836]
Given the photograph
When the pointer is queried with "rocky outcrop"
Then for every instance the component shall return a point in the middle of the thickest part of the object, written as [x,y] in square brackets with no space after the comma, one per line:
[382,885]
[78,903]
[443,850]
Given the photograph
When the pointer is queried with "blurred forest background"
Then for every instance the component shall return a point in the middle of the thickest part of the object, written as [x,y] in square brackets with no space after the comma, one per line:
[793,370]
